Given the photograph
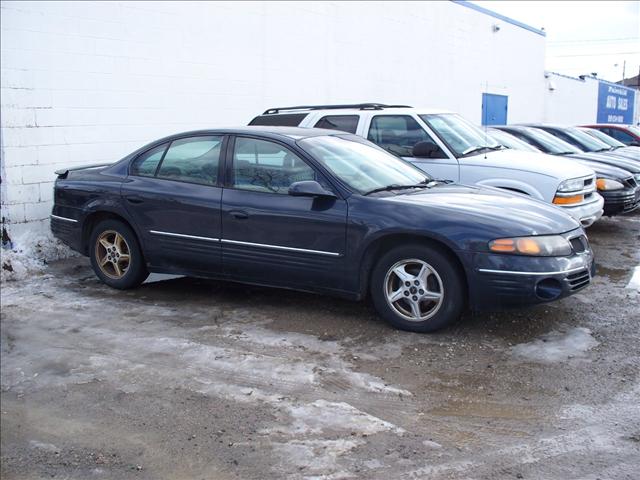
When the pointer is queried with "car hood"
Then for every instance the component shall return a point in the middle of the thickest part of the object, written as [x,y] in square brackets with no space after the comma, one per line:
[542,163]
[604,169]
[488,209]
[632,166]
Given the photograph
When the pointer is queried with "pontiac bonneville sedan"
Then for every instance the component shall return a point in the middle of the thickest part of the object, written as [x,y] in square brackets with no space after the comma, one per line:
[321,211]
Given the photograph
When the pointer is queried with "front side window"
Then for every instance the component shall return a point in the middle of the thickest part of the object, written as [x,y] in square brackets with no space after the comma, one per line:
[264,166]
[361,165]
[397,134]
[460,135]
[344,123]
[147,163]
[193,159]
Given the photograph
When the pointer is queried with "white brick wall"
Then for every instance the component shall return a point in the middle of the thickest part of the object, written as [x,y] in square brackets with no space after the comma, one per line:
[88,82]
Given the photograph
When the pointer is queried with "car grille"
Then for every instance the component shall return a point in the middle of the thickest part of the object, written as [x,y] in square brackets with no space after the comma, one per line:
[631,182]
[579,280]
[579,244]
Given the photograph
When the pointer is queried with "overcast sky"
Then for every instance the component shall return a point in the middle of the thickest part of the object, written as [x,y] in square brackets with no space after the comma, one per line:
[582,36]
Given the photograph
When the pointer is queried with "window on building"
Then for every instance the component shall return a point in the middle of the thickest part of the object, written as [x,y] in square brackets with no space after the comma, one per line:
[193,159]
[344,123]
[147,163]
[264,166]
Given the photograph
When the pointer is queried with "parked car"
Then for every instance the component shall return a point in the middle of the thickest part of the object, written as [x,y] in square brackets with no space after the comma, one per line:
[321,211]
[615,145]
[453,149]
[620,187]
[586,142]
[627,134]
[507,140]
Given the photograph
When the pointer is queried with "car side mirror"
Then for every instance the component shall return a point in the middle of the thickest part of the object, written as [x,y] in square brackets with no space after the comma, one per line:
[309,188]
[425,149]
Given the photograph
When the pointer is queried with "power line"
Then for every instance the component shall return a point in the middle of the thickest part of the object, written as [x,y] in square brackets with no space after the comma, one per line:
[603,40]
[596,54]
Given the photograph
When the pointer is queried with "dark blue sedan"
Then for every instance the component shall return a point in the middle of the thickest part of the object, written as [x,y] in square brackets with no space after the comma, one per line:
[320,211]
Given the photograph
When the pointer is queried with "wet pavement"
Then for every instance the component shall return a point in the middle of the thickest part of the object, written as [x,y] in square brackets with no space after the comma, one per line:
[194,379]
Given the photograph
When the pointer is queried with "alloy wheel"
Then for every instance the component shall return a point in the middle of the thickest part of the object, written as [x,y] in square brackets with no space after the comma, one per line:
[414,290]
[113,254]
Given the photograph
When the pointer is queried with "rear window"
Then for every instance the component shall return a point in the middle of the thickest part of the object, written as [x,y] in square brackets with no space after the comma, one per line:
[344,123]
[284,120]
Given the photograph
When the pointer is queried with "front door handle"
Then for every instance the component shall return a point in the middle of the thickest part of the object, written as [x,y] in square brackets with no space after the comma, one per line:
[239,214]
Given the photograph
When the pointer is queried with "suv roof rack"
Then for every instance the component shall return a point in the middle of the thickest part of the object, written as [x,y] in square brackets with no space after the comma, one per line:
[361,106]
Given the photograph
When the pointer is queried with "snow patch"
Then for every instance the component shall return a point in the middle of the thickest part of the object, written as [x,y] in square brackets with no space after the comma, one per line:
[556,346]
[634,283]
[316,456]
[29,256]
[47,447]
[321,415]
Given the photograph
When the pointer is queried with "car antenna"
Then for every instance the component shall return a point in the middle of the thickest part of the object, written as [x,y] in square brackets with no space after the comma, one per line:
[486,91]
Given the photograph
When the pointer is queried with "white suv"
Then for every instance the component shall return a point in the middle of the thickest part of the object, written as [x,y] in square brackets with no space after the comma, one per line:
[448,147]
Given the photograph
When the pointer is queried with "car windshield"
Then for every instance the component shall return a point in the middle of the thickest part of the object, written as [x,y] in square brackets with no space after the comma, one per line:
[460,135]
[549,142]
[603,137]
[361,165]
[633,129]
[589,143]
[509,141]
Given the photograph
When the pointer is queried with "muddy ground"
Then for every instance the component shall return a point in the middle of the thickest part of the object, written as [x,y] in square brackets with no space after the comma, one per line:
[193,379]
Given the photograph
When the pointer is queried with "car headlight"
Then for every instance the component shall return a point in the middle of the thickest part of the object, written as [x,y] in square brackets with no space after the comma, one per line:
[571,185]
[542,246]
[608,184]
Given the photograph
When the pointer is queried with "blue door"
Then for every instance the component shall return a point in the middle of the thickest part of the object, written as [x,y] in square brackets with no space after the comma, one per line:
[494,109]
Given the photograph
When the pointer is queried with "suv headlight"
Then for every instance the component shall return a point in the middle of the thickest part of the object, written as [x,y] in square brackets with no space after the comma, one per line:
[571,185]
[608,184]
[542,246]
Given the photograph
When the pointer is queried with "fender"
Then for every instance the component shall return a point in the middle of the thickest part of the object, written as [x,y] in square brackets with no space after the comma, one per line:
[109,205]
[511,184]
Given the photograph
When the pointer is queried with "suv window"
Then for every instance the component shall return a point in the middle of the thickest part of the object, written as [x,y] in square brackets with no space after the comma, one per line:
[344,123]
[193,159]
[264,166]
[147,163]
[397,133]
[284,120]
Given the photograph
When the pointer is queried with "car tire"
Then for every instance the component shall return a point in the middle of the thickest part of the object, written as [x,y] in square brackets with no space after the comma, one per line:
[116,256]
[418,288]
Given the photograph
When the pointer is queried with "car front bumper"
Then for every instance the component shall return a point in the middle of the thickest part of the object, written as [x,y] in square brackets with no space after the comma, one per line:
[621,201]
[502,281]
[587,213]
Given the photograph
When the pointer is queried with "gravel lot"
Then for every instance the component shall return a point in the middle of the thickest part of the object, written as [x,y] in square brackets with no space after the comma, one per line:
[193,379]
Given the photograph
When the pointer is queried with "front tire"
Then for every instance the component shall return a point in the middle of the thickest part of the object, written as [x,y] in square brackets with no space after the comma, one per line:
[116,256]
[418,288]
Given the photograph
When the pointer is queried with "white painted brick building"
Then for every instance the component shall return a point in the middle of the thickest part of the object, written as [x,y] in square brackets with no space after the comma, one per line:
[88,82]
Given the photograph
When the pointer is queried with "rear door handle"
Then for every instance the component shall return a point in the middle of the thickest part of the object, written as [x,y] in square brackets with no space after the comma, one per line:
[133,199]
[239,214]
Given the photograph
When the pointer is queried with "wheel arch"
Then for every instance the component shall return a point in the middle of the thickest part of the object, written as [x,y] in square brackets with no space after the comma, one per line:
[93,218]
[382,244]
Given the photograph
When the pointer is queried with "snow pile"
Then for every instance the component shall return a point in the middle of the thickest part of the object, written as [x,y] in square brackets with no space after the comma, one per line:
[634,283]
[556,346]
[30,254]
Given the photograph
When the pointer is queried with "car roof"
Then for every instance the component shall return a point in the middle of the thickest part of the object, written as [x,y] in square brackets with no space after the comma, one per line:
[613,125]
[352,110]
[294,133]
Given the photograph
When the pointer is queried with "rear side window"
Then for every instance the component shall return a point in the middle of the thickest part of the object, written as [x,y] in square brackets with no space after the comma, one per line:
[344,123]
[397,133]
[284,120]
[147,163]
[193,159]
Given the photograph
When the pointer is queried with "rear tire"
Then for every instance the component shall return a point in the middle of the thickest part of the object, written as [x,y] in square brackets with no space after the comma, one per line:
[418,288]
[116,256]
